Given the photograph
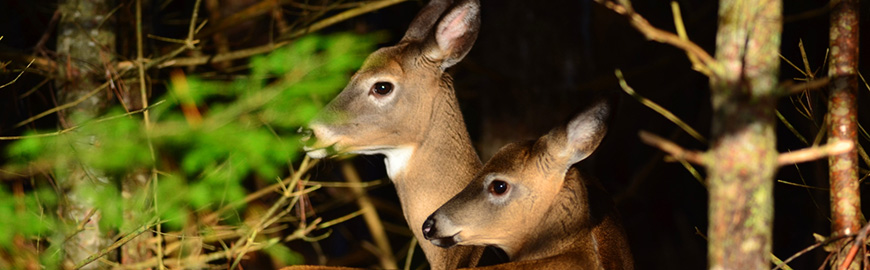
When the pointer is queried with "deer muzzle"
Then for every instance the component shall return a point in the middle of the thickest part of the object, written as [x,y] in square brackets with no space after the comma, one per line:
[438,237]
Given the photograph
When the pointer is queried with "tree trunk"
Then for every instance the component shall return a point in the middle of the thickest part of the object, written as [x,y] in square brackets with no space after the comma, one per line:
[742,161]
[85,44]
[842,108]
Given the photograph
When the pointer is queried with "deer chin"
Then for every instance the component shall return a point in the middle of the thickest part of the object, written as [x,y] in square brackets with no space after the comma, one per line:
[446,242]
[395,158]
[320,152]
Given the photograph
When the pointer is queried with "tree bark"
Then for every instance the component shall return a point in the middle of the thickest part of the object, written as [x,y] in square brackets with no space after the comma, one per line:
[842,114]
[742,161]
[85,44]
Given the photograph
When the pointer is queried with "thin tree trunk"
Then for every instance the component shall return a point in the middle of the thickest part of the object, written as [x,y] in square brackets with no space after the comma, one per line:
[85,43]
[842,108]
[742,161]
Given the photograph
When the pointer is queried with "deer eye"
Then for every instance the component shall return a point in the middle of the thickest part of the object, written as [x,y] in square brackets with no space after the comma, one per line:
[498,187]
[382,88]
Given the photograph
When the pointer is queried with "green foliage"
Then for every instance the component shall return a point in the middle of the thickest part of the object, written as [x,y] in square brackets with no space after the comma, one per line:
[284,254]
[208,137]
[28,216]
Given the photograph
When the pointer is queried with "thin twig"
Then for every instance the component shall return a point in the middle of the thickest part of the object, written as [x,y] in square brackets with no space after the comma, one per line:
[801,185]
[341,219]
[808,249]
[189,44]
[116,245]
[140,59]
[672,148]
[59,132]
[693,171]
[791,128]
[19,74]
[859,242]
[707,62]
[341,17]
[284,40]
[659,109]
[64,106]
[681,32]
[262,192]
[371,218]
[790,88]
[268,217]
[815,152]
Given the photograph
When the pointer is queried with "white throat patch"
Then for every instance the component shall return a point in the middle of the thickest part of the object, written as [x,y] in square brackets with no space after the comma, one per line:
[396,160]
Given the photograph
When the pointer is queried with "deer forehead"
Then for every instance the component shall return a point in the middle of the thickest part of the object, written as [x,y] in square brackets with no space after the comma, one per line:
[516,159]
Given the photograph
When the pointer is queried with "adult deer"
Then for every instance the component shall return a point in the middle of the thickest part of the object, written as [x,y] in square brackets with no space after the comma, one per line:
[401,104]
[533,203]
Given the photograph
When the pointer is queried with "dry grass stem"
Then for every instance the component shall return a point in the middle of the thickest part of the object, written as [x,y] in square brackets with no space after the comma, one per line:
[284,40]
[370,214]
[66,130]
[117,244]
[659,109]
[19,74]
[801,185]
[791,128]
[411,247]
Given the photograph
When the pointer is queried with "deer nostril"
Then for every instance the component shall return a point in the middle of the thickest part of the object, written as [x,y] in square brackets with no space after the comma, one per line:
[427,227]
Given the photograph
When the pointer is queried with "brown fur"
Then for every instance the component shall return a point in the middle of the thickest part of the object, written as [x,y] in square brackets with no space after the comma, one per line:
[418,125]
[552,215]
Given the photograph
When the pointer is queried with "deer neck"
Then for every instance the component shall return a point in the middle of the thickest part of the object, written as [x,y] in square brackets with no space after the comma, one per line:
[443,160]
[432,171]
[581,226]
[566,226]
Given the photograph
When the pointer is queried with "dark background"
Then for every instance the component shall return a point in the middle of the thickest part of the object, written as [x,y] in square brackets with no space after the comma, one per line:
[535,63]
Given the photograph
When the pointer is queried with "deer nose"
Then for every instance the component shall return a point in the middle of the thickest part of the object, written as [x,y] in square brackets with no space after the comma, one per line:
[306,135]
[429,228]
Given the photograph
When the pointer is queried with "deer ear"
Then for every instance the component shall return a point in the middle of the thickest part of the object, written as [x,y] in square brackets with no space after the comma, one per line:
[454,34]
[583,133]
[425,20]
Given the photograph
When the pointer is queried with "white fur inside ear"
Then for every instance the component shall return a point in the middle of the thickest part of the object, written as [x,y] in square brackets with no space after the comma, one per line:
[586,130]
[454,25]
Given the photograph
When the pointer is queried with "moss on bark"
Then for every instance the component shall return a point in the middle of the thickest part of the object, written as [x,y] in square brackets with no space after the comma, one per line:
[742,160]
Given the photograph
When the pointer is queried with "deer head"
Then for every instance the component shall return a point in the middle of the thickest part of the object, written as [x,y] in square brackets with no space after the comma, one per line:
[401,92]
[529,201]
[401,104]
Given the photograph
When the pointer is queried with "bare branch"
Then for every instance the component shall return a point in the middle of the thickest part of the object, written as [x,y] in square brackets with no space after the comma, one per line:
[807,249]
[790,87]
[708,64]
[672,148]
[813,153]
[245,53]
[859,241]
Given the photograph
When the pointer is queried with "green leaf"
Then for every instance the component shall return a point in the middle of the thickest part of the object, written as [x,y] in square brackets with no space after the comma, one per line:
[284,254]
[26,149]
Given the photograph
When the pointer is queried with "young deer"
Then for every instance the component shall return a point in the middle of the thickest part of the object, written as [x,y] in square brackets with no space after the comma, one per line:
[401,104]
[533,203]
